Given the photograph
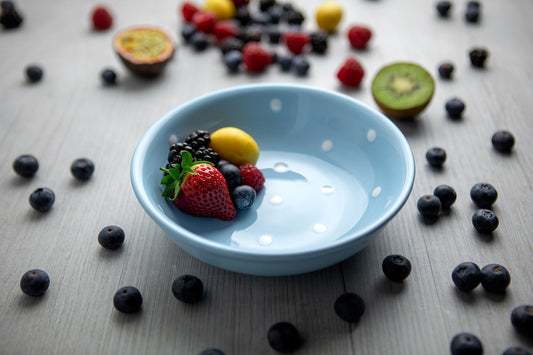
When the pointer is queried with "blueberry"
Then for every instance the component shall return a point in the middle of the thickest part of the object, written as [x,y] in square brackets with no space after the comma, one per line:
[221,162]
[485,221]
[275,12]
[128,299]
[9,16]
[445,70]
[443,8]
[478,57]
[349,307]
[454,107]
[111,237]
[260,18]
[472,14]
[429,206]
[187,31]
[274,34]
[473,4]
[109,76]
[503,141]
[396,267]
[436,157]
[199,41]
[35,282]
[483,194]
[42,199]
[466,344]
[242,15]
[285,62]
[7,5]
[495,278]
[466,276]
[26,165]
[515,350]
[522,320]
[34,73]
[243,196]
[446,195]
[319,42]
[233,60]
[212,352]
[82,169]
[188,288]
[284,337]
[232,174]
[301,65]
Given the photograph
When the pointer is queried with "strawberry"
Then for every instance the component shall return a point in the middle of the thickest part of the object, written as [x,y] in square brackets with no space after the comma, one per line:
[255,57]
[351,73]
[198,188]
[204,21]
[102,19]
[296,41]
[252,176]
[359,36]
[188,10]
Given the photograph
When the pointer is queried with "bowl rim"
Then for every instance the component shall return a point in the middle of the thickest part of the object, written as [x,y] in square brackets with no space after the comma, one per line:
[199,241]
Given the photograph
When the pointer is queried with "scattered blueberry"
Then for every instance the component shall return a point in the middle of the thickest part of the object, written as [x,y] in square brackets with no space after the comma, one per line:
[466,276]
[473,3]
[9,16]
[485,221]
[446,195]
[478,56]
[429,206]
[436,157]
[466,344]
[454,107]
[199,41]
[274,34]
[276,13]
[188,288]
[212,352]
[34,73]
[396,267]
[82,169]
[285,62]
[472,14]
[503,141]
[515,350]
[233,60]
[109,77]
[301,65]
[35,282]
[483,194]
[243,196]
[42,199]
[232,174]
[284,337]
[522,320]
[26,165]
[187,31]
[443,8]
[350,307]
[319,42]
[495,278]
[128,299]
[111,237]
[445,70]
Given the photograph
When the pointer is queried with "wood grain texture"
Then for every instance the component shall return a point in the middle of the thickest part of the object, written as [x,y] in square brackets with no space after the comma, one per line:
[70,114]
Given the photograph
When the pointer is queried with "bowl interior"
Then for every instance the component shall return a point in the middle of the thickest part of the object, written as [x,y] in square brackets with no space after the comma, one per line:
[335,169]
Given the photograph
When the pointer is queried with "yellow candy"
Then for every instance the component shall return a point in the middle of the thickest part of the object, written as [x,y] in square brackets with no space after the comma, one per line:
[328,16]
[234,145]
[225,9]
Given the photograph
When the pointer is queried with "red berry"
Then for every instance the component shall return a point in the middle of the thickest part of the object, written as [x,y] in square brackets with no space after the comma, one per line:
[296,41]
[255,57]
[225,29]
[204,21]
[188,10]
[359,36]
[252,176]
[102,19]
[351,72]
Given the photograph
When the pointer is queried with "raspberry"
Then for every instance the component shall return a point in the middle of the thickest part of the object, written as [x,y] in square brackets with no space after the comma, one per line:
[204,21]
[188,10]
[255,57]
[225,29]
[351,73]
[252,176]
[296,41]
[359,36]
[102,19]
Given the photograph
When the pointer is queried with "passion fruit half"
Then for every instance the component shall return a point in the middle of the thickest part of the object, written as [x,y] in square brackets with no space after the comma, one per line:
[145,50]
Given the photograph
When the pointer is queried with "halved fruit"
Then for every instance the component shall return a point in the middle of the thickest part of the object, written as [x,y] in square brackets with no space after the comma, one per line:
[144,50]
[402,89]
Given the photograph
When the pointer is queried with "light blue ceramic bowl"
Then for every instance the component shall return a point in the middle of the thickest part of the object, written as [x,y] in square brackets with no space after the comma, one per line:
[336,172]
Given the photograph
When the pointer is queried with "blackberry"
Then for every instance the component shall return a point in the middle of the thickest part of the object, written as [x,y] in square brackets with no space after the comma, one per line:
[485,221]
[349,307]
[242,15]
[9,16]
[188,288]
[445,70]
[503,141]
[295,17]
[319,42]
[436,157]
[251,34]
[42,199]
[275,12]
[35,282]
[466,276]
[231,44]
[82,169]
[284,337]
[34,73]
[396,267]
[111,237]
[429,206]
[198,139]
[454,107]
[207,154]
[128,299]
[109,76]
[483,194]
[515,350]
[265,5]
[466,344]
[478,57]
[26,165]
[446,195]
[443,8]
[495,278]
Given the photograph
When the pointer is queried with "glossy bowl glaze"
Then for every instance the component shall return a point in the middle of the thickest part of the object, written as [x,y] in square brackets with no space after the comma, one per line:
[336,172]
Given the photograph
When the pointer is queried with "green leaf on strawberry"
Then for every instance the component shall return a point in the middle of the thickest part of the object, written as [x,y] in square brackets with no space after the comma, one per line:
[178,173]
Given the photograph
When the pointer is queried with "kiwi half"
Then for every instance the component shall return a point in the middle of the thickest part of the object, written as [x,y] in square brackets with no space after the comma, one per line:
[402,89]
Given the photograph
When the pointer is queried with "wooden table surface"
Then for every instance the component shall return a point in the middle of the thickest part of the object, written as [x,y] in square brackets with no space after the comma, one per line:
[71,114]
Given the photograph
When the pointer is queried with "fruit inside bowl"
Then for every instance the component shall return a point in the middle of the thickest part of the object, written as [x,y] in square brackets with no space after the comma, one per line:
[336,171]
